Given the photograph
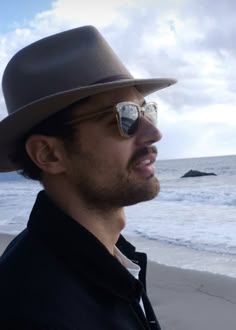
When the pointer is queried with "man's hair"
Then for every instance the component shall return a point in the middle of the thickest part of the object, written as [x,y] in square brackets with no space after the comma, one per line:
[56,125]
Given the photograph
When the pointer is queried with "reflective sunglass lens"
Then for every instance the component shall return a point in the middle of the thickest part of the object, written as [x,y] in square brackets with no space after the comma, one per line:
[151,112]
[128,114]
[129,126]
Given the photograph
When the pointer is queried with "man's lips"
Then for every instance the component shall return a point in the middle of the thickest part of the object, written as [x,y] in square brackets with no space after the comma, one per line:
[145,161]
[145,154]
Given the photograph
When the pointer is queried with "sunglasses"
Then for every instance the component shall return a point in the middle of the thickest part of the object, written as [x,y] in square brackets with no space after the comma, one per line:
[128,115]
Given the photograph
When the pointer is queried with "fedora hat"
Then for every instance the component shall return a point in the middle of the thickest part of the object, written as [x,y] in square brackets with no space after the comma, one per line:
[54,72]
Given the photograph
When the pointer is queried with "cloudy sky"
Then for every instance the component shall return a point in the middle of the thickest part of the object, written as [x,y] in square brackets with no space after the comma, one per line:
[193,41]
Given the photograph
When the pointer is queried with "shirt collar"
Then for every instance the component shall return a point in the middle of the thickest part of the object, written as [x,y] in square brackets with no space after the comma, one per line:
[133,268]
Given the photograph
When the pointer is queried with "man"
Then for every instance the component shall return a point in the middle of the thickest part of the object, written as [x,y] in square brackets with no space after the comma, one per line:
[78,122]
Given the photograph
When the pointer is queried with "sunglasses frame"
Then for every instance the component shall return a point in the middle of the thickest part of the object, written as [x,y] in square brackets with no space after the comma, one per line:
[115,110]
[141,111]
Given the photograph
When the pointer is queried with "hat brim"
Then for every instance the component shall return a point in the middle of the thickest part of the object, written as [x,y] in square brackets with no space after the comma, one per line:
[24,119]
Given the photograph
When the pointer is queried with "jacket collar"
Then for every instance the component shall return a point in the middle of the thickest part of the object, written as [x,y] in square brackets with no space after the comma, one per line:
[81,250]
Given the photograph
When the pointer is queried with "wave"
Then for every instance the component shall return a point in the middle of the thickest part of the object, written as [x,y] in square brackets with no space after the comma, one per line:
[211,197]
[213,248]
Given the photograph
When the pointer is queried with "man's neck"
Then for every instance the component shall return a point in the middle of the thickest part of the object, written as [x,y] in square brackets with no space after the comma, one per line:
[105,225]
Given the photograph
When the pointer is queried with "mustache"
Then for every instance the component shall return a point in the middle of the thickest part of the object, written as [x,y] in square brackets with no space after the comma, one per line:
[145,151]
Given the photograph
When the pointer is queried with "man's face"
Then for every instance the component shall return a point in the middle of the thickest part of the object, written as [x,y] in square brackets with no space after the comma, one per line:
[105,169]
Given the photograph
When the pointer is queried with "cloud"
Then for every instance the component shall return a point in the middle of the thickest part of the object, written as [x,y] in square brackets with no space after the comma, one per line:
[191,40]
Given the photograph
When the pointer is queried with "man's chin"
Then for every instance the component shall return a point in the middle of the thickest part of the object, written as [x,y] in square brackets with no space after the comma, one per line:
[151,194]
[144,193]
[152,188]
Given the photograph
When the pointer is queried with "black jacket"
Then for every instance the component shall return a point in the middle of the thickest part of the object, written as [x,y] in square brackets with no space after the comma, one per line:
[57,275]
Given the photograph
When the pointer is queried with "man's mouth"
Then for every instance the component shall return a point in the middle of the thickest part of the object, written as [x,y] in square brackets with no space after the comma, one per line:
[145,161]
[142,162]
[145,167]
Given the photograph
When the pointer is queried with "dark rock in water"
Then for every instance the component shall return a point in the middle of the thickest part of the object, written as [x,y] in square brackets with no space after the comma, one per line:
[193,173]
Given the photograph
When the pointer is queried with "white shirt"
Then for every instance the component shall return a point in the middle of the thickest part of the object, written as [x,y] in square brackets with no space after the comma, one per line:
[133,268]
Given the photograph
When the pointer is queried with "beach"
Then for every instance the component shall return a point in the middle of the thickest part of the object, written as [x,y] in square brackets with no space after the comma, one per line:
[191,300]
[186,299]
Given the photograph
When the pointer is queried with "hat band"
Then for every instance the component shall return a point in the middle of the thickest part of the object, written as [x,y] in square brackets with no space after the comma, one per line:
[112,78]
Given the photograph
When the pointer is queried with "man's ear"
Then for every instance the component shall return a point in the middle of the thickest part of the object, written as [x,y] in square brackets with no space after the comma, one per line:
[47,153]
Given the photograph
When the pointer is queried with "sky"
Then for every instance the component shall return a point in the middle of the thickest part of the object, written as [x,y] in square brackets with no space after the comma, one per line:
[193,41]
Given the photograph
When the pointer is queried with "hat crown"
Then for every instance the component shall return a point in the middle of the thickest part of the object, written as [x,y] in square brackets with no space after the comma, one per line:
[65,61]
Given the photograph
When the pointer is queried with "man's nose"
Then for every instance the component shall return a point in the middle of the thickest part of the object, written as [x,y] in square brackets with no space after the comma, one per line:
[147,133]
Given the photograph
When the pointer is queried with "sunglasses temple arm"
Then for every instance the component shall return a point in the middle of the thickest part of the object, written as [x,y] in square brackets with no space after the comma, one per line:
[85,117]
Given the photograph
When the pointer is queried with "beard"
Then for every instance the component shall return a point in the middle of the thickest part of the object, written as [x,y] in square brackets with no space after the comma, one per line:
[119,193]
[103,188]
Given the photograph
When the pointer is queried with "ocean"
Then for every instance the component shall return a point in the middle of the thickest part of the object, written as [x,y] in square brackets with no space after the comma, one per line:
[190,224]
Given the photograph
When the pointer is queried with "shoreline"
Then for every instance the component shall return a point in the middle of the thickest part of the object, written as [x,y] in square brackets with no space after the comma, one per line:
[184,257]
[184,299]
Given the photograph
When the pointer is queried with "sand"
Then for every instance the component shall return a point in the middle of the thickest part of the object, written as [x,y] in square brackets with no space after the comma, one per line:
[192,300]
[5,239]
[186,299]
